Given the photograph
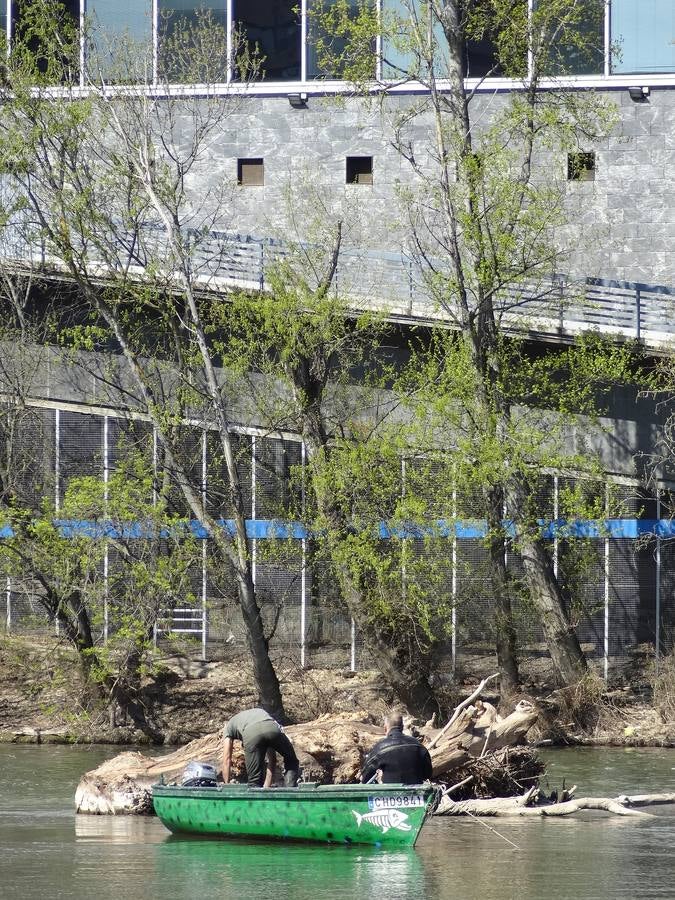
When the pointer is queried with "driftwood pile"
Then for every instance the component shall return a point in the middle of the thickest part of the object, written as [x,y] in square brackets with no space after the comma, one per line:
[332,749]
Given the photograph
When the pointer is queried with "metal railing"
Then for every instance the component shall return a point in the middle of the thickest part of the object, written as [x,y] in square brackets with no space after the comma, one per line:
[557,308]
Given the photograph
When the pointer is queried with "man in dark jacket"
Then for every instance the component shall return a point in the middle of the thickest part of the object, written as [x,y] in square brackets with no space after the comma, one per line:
[400,757]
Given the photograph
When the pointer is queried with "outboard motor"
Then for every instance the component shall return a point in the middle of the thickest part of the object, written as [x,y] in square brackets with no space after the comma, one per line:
[198,774]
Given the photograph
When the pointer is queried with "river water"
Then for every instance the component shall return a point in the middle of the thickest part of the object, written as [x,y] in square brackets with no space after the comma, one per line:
[46,851]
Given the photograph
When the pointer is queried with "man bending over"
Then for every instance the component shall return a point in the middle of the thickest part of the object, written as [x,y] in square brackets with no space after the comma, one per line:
[261,736]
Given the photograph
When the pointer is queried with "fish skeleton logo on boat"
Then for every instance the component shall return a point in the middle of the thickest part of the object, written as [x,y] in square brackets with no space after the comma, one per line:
[384,819]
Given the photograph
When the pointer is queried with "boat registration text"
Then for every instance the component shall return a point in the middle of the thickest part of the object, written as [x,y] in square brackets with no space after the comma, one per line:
[400,801]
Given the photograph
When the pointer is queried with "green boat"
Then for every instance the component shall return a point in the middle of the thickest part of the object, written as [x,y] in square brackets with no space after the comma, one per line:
[381,814]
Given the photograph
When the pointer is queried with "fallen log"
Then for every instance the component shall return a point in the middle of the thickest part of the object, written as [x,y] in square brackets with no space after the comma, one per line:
[477,731]
[462,729]
[458,709]
[512,729]
[445,759]
[528,805]
[646,799]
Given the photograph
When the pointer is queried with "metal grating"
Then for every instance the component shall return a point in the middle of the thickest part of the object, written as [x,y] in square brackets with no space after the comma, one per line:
[89,445]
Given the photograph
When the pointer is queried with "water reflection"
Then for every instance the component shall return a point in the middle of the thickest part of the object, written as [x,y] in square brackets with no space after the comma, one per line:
[284,870]
[119,829]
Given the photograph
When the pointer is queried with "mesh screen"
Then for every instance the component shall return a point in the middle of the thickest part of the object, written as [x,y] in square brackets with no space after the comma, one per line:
[29,462]
[276,490]
[187,453]
[80,447]
[624,597]
[27,437]
[218,494]
[128,438]
[667,623]
[20,608]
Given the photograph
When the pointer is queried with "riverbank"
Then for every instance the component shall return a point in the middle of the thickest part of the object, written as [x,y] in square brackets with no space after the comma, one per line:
[42,700]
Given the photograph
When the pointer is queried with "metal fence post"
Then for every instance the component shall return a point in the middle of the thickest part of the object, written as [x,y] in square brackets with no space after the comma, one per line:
[638,312]
[303,567]
[106,559]
[57,475]
[352,664]
[454,572]
[606,592]
[204,549]
[657,612]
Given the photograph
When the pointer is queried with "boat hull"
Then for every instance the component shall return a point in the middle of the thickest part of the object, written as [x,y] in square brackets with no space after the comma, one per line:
[383,815]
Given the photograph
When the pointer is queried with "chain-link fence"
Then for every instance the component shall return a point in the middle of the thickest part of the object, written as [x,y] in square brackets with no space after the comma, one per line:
[627,597]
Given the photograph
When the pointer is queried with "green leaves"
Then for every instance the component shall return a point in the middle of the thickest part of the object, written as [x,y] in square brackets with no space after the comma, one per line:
[343,34]
[45,47]
[121,564]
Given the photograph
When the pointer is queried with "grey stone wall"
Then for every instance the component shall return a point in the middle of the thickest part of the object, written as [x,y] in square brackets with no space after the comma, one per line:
[620,226]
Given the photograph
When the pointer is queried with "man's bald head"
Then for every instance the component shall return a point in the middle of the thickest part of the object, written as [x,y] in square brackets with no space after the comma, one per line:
[393,720]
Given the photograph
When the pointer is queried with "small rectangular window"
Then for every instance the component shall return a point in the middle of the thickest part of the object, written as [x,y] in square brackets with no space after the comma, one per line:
[250,172]
[359,170]
[580,166]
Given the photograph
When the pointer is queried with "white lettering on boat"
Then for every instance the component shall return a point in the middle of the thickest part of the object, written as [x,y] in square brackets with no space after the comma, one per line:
[396,801]
[384,819]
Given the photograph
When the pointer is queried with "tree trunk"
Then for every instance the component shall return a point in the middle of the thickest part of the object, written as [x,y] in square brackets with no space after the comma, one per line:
[562,641]
[235,552]
[121,693]
[505,632]
[567,656]
[267,683]
[408,676]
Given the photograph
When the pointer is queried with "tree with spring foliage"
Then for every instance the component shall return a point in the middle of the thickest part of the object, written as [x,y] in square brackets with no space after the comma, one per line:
[99,178]
[307,344]
[481,216]
[100,572]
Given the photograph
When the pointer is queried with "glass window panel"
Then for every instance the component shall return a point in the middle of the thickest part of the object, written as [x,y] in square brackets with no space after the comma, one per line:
[67,9]
[643,36]
[120,39]
[398,51]
[481,59]
[271,29]
[335,45]
[193,40]
[581,50]
[71,6]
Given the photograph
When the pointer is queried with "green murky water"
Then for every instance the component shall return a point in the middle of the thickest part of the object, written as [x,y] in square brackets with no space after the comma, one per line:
[48,852]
